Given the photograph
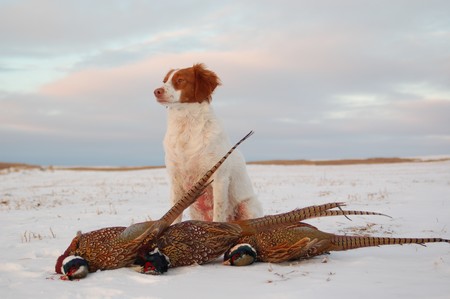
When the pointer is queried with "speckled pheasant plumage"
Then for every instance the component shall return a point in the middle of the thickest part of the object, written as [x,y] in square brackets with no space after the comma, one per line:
[115,247]
[199,242]
[302,241]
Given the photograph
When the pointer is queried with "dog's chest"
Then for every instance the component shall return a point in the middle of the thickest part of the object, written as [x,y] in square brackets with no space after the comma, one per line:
[185,148]
[190,138]
[186,157]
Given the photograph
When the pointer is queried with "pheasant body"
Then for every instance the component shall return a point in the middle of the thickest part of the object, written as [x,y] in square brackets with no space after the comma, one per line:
[103,249]
[195,242]
[200,242]
[302,241]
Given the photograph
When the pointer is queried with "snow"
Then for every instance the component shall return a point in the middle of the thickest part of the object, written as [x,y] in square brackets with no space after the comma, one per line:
[41,211]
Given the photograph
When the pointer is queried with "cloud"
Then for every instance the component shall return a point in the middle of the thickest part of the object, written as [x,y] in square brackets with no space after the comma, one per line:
[315,80]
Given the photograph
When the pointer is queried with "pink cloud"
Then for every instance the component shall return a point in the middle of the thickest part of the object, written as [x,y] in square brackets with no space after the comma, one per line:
[98,81]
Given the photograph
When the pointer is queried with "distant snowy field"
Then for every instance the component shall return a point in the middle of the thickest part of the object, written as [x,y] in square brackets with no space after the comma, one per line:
[41,211]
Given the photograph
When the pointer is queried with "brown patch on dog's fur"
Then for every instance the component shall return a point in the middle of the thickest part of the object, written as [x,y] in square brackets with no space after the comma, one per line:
[196,83]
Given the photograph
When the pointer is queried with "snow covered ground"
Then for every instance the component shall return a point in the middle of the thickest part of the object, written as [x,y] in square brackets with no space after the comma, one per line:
[40,212]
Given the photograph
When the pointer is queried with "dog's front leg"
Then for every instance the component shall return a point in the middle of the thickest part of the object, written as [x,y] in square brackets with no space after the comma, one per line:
[176,194]
[221,207]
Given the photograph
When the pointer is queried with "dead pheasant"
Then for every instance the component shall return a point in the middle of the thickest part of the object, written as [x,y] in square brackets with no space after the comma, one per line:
[199,242]
[115,247]
[303,241]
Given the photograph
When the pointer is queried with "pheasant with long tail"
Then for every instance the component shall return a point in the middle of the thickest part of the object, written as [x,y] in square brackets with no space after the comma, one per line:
[200,242]
[302,241]
[115,247]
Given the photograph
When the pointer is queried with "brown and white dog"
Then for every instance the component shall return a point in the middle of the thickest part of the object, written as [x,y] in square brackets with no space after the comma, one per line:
[195,140]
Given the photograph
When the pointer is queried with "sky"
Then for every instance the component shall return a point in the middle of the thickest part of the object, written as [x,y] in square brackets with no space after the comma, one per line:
[313,79]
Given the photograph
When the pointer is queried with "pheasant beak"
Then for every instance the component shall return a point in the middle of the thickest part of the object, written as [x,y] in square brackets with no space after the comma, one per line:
[69,275]
[149,267]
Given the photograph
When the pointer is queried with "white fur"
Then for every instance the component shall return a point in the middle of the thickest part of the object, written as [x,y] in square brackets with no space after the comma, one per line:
[172,95]
[193,143]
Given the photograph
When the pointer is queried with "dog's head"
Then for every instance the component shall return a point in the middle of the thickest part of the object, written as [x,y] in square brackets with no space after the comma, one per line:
[190,85]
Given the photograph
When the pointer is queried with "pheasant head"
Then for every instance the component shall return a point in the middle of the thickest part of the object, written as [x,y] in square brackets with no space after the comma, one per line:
[154,262]
[72,267]
[240,255]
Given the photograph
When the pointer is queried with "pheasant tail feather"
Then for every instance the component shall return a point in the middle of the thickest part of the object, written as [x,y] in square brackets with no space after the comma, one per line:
[352,242]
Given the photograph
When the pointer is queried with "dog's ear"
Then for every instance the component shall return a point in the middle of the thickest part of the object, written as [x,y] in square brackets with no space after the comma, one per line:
[205,83]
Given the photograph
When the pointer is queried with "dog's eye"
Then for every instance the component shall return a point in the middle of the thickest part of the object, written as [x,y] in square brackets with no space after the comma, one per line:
[180,80]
